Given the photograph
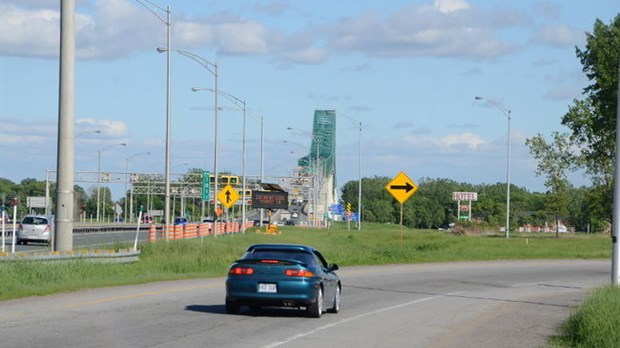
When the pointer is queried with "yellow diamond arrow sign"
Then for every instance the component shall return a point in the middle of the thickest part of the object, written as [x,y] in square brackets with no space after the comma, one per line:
[228,196]
[401,187]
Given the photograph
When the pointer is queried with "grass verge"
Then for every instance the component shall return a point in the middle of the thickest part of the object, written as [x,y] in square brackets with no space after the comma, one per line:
[593,324]
[211,257]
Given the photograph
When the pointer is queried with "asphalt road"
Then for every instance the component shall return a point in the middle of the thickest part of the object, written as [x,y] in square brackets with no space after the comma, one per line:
[84,240]
[468,304]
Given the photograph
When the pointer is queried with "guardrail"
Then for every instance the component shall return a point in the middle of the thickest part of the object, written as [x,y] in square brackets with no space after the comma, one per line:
[108,228]
[100,256]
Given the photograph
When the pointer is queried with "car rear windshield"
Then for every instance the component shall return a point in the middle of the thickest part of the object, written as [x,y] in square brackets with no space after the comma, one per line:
[267,254]
[34,220]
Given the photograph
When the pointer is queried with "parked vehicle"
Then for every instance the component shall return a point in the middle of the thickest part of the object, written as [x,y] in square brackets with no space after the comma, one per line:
[283,275]
[180,221]
[35,228]
[147,219]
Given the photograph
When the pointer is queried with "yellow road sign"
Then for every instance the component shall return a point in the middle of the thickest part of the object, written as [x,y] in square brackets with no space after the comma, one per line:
[401,187]
[228,196]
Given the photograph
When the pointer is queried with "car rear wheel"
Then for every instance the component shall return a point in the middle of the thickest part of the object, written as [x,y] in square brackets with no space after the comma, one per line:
[336,304]
[315,309]
[231,307]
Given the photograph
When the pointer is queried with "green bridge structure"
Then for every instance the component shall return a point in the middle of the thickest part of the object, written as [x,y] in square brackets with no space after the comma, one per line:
[320,164]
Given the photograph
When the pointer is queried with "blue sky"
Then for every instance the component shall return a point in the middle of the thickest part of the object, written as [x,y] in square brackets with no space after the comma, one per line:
[407,70]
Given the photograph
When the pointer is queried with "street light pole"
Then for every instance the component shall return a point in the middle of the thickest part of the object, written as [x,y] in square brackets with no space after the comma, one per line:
[63,240]
[99,176]
[212,68]
[359,188]
[126,177]
[240,103]
[358,125]
[506,112]
[262,161]
[153,9]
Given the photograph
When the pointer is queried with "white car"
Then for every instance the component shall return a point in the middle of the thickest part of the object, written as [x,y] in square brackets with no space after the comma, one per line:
[35,228]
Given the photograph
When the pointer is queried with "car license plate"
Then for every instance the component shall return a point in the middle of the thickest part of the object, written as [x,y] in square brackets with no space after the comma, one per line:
[267,287]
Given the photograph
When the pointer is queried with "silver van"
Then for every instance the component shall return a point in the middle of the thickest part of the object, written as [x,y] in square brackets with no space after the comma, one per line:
[35,228]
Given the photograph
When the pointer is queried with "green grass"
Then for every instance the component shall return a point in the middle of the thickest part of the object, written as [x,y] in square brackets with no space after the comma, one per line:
[210,257]
[594,324]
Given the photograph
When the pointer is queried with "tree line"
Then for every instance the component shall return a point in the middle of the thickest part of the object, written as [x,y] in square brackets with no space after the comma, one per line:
[432,205]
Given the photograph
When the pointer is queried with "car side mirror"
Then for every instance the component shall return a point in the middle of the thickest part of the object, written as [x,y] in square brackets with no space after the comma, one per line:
[332,267]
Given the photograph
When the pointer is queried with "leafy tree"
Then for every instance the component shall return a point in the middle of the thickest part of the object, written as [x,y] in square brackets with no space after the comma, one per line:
[553,162]
[590,143]
[592,121]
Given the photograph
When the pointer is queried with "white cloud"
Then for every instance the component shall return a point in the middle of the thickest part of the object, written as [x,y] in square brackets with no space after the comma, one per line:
[448,142]
[28,32]
[15,132]
[421,31]
[447,6]
[108,128]
[115,28]
[311,55]
[559,36]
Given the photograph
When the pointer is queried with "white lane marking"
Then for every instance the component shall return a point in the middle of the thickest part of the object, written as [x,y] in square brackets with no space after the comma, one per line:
[343,321]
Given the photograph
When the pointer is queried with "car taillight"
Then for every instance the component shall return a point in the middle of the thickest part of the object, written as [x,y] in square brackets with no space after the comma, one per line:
[241,271]
[47,228]
[269,261]
[298,273]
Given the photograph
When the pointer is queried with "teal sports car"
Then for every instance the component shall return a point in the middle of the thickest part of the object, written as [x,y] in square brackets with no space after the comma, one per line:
[283,275]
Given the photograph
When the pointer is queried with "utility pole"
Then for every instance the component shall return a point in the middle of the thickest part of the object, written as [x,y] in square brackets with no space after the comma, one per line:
[63,240]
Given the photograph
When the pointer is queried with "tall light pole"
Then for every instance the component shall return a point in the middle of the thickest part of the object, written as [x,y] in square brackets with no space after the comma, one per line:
[506,112]
[615,233]
[129,159]
[358,125]
[65,159]
[212,68]
[153,8]
[262,159]
[240,103]
[99,174]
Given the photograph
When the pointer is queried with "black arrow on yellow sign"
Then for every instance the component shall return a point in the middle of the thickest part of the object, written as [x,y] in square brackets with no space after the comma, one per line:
[407,187]
[227,193]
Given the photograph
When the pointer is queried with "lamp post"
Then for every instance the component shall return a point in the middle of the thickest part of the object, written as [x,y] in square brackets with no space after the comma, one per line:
[99,174]
[240,103]
[262,160]
[182,208]
[358,125]
[153,8]
[506,112]
[212,68]
[129,159]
